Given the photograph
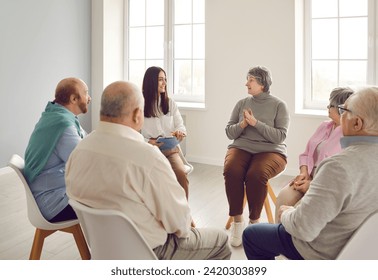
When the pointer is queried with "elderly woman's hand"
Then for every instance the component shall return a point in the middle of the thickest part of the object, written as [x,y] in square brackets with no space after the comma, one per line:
[249,117]
[300,179]
[302,186]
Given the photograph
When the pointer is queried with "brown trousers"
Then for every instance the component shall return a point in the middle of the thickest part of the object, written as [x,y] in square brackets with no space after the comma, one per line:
[253,171]
[178,167]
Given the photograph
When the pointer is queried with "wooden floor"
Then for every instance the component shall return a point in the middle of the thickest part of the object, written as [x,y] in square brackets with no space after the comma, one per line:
[207,200]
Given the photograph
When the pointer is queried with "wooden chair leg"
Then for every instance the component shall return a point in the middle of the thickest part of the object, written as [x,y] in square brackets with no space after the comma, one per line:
[39,239]
[81,243]
[268,209]
[229,221]
[80,240]
[271,193]
[41,234]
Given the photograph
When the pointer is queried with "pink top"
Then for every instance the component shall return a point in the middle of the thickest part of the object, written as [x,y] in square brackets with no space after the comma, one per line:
[330,144]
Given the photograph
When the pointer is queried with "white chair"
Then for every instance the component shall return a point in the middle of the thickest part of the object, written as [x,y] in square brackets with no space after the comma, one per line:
[43,227]
[188,167]
[363,244]
[111,235]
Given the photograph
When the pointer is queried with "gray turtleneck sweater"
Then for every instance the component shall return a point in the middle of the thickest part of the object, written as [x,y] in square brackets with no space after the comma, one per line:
[269,133]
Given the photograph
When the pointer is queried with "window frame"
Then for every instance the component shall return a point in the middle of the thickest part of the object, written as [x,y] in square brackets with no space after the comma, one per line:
[304,104]
[191,101]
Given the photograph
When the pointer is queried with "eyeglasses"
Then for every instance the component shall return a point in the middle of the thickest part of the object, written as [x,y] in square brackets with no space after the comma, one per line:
[342,109]
[331,106]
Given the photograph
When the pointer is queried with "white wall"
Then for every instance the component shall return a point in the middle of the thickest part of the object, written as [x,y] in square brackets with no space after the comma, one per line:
[107,48]
[41,42]
[239,34]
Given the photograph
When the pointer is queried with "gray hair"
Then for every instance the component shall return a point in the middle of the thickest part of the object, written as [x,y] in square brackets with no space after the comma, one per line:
[262,76]
[120,98]
[339,95]
[364,103]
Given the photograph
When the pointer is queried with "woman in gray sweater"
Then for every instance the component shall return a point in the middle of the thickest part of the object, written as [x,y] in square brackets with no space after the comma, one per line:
[258,127]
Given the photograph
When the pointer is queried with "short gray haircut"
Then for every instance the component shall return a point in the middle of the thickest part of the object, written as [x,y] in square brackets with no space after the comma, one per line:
[120,98]
[262,76]
[339,95]
[364,103]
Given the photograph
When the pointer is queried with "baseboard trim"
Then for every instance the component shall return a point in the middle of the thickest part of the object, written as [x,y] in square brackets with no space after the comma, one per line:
[205,160]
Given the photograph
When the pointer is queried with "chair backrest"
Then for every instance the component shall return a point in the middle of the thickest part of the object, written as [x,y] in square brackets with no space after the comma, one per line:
[111,235]
[34,214]
[363,245]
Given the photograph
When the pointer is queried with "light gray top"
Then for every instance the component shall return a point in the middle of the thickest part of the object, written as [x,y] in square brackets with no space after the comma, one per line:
[49,188]
[341,196]
[271,129]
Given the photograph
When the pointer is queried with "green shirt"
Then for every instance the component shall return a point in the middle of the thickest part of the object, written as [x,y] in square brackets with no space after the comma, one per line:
[54,120]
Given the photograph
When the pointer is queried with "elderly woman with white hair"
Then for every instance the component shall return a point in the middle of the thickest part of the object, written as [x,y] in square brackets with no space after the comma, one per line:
[258,127]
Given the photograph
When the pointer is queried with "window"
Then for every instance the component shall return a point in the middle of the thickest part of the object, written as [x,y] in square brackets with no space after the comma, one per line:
[338,51]
[169,34]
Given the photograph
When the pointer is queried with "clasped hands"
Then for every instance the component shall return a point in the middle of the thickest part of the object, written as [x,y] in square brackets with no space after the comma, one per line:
[301,183]
[248,118]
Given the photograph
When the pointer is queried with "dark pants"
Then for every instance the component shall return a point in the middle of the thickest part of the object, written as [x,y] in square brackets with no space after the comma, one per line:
[252,170]
[66,214]
[266,241]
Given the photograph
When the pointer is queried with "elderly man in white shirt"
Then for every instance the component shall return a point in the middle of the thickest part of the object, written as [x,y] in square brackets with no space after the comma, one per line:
[114,168]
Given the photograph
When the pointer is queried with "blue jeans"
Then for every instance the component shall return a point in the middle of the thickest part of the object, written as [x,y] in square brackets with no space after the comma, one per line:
[266,241]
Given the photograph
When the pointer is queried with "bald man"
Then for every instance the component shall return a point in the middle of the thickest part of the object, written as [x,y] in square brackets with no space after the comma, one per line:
[342,194]
[114,168]
[54,137]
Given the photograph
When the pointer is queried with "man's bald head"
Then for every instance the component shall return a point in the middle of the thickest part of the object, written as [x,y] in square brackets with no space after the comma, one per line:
[68,87]
[120,101]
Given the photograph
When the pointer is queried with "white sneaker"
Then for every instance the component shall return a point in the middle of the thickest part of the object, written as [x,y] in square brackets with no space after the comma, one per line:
[236,234]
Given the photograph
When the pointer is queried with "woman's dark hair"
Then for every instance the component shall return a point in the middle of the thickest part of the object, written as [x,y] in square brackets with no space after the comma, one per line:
[150,93]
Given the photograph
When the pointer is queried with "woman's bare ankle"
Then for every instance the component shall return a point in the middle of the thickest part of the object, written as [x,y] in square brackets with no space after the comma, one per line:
[238,219]
[254,221]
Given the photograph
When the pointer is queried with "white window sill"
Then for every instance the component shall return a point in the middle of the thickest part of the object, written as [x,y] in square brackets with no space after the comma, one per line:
[191,105]
[312,113]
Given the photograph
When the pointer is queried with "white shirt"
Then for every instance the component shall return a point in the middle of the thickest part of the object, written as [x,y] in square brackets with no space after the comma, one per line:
[113,168]
[164,125]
